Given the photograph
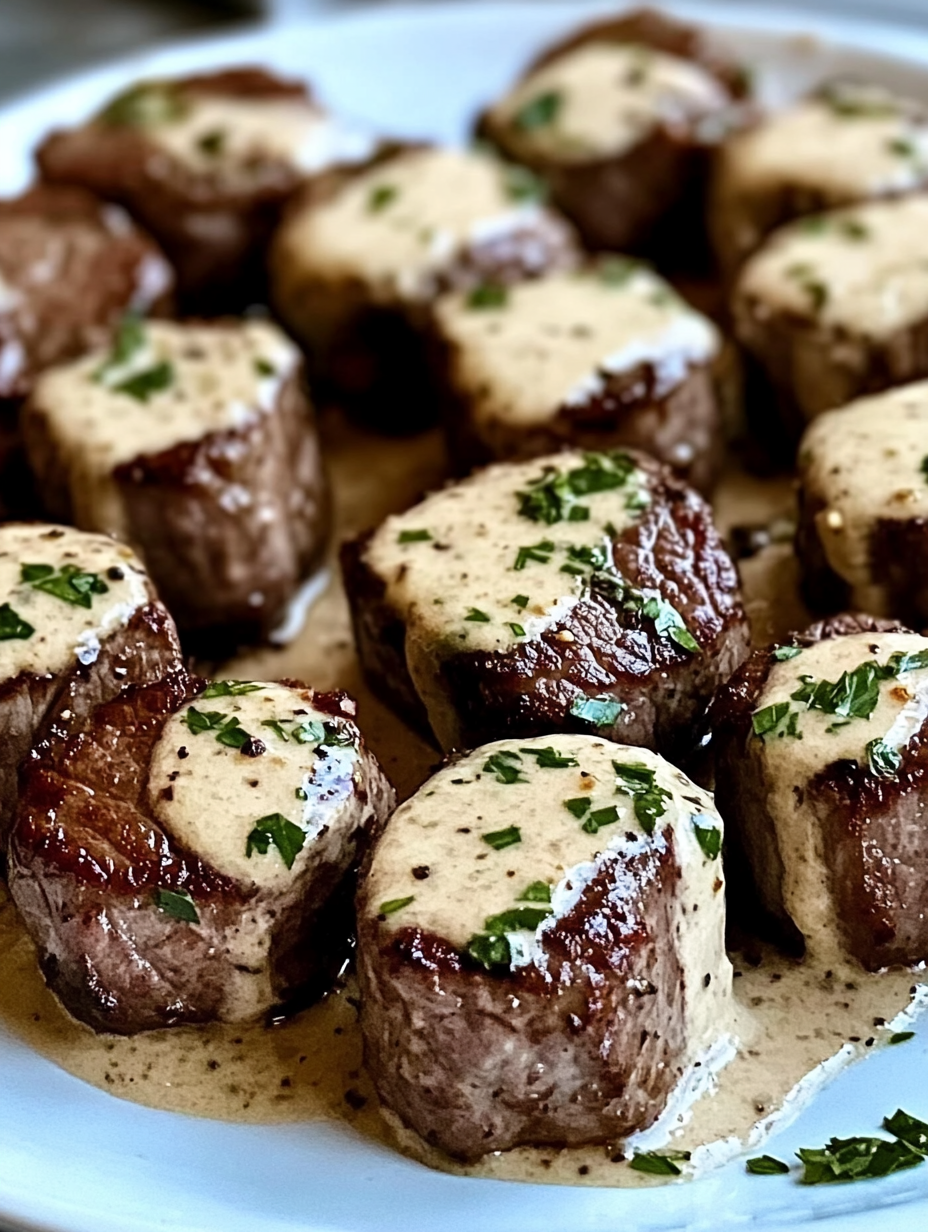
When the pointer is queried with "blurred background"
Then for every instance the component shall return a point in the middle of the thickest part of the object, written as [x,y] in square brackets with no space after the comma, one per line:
[41,39]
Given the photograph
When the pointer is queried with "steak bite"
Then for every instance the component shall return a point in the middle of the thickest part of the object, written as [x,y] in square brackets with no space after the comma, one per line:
[836,306]
[580,592]
[196,444]
[848,142]
[177,862]
[70,267]
[361,257]
[610,356]
[541,946]
[619,120]
[821,759]
[863,532]
[79,620]
[205,163]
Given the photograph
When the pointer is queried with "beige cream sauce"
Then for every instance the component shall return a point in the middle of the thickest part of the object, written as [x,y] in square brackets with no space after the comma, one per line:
[310,1068]
[398,225]
[864,462]
[553,340]
[611,96]
[869,261]
[218,383]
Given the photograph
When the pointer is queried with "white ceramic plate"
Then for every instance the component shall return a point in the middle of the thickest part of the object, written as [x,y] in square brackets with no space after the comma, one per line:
[73,1159]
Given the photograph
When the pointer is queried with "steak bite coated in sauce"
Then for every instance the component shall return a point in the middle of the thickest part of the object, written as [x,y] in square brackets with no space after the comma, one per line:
[541,946]
[619,121]
[821,757]
[836,306]
[206,164]
[847,142]
[176,863]
[195,443]
[70,267]
[578,592]
[610,356]
[79,620]
[360,259]
[863,532]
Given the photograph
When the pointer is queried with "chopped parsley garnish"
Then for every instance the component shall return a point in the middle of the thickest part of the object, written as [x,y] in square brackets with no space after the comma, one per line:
[708,837]
[618,271]
[232,734]
[853,229]
[908,1129]
[199,721]
[883,759]
[130,338]
[901,1037]
[12,625]
[68,583]
[213,142]
[277,830]
[300,793]
[311,731]
[852,105]
[475,614]
[554,496]
[490,952]
[146,105]
[659,1163]
[638,781]
[578,805]
[523,185]
[853,695]
[264,367]
[539,112]
[229,688]
[176,903]
[766,1165]
[924,467]
[413,536]
[539,552]
[782,653]
[769,718]
[144,384]
[599,818]
[499,839]
[488,295]
[537,892]
[667,620]
[856,1159]
[517,629]
[905,149]
[380,196]
[515,919]
[520,601]
[395,904]
[501,764]
[549,758]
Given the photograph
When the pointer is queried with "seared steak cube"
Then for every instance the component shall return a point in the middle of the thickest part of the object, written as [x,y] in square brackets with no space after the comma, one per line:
[836,305]
[579,592]
[205,163]
[361,258]
[846,143]
[610,356]
[70,267]
[619,120]
[196,444]
[863,536]
[176,862]
[79,620]
[541,946]
[821,757]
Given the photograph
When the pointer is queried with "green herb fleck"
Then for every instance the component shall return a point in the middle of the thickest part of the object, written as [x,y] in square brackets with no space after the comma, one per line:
[145,105]
[883,760]
[488,295]
[213,142]
[638,781]
[277,830]
[521,184]
[659,1163]
[924,467]
[176,903]
[229,688]
[709,838]
[380,196]
[500,839]
[475,614]
[264,367]
[853,229]
[537,892]
[782,653]
[539,552]
[490,952]
[599,818]
[900,1037]
[520,601]
[12,625]
[908,1129]
[766,1165]
[501,764]
[554,495]
[516,919]
[395,904]
[144,384]
[618,271]
[517,629]
[549,758]
[68,583]
[413,536]
[578,805]
[856,1159]
[905,149]
[199,721]
[539,111]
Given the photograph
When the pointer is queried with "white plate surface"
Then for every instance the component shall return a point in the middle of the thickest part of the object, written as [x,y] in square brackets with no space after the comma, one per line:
[73,1159]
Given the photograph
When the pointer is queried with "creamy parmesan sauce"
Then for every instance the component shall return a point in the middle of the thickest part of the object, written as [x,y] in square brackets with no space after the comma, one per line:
[865,462]
[228,136]
[555,340]
[399,225]
[64,631]
[440,832]
[220,378]
[608,98]
[205,796]
[790,762]
[467,586]
[863,269]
